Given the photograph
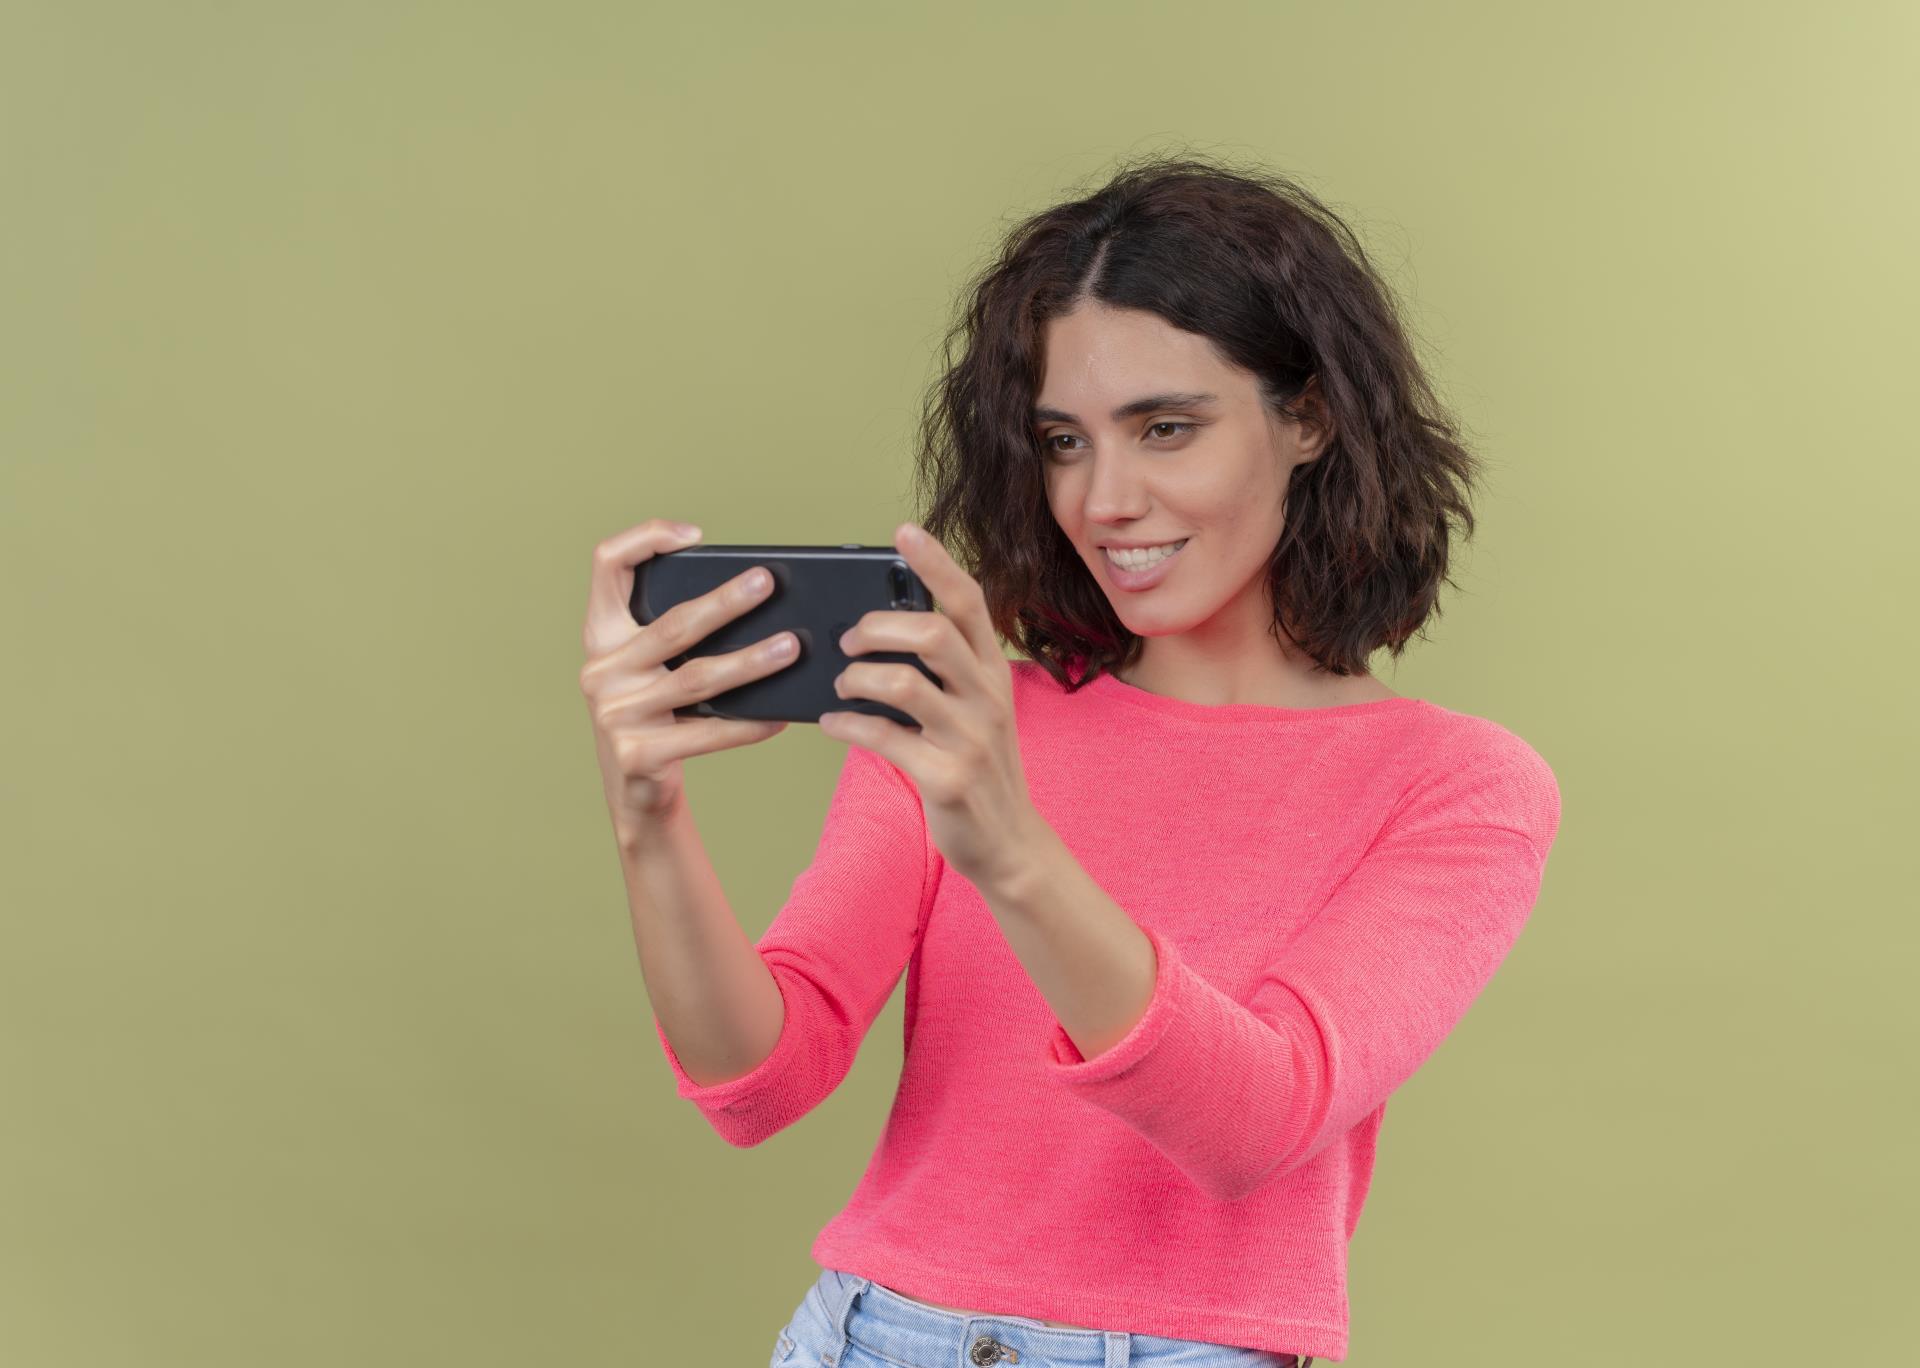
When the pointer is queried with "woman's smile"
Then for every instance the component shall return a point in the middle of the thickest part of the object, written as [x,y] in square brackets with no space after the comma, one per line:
[1142,568]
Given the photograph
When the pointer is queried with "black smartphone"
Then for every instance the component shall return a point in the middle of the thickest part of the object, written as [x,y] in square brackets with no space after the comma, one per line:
[818,593]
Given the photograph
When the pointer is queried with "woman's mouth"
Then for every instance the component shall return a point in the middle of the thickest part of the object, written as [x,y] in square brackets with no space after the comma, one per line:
[1142,568]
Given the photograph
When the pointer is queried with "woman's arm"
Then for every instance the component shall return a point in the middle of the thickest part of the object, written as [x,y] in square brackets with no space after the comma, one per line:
[832,955]
[713,994]
[1239,1093]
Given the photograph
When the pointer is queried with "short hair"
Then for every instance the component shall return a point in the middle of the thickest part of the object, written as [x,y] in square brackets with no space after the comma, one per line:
[1253,261]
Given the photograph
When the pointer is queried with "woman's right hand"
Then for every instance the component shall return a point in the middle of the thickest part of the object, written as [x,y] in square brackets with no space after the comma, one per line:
[631,693]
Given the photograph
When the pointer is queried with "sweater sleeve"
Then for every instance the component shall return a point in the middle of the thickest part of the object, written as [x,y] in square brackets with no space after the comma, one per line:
[1240,1093]
[836,949]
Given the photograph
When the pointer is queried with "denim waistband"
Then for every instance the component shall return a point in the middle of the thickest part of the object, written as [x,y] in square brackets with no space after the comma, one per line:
[896,1327]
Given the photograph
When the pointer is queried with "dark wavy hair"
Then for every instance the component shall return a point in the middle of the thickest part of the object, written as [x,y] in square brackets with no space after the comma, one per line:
[1251,260]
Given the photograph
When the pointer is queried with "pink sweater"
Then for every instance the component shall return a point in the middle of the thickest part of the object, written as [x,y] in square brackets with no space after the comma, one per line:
[1328,890]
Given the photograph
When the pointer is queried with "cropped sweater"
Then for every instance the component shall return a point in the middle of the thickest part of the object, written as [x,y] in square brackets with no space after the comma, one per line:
[1327,891]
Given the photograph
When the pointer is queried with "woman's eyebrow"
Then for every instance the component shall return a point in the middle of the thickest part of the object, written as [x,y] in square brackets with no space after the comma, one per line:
[1042,414]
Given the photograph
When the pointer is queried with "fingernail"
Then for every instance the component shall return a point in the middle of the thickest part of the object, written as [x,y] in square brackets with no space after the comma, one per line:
[686,529]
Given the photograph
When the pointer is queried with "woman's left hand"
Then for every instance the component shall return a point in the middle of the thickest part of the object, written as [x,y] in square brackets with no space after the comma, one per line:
[965,759]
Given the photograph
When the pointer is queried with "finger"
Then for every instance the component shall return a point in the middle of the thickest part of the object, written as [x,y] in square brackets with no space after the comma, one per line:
[610,588]
[692,681]
[903,747]
[692,736]
[905,688]
[959,594]
[689,622]
[934,637]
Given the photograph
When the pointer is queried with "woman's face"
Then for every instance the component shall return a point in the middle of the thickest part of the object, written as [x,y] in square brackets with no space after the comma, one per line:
[1135,455]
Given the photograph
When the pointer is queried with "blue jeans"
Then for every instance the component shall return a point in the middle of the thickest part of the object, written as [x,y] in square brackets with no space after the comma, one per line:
[846,1321]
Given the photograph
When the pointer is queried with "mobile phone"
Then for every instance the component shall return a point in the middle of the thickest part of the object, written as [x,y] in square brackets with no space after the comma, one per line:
[818,593]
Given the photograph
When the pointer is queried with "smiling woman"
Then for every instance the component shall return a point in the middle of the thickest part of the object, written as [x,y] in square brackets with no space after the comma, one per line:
[1185,897]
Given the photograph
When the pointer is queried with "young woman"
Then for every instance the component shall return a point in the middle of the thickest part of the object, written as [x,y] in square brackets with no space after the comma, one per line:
[1183,896]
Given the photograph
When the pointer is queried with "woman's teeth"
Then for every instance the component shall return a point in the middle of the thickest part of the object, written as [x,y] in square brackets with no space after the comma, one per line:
[1139,558]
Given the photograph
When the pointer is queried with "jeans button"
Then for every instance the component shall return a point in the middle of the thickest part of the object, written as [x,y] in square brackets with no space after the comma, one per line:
[984,1351]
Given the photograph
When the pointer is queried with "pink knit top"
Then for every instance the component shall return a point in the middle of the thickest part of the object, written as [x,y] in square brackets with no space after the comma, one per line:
[1328,890]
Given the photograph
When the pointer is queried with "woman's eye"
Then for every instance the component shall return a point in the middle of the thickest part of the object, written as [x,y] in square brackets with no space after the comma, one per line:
[1048,444]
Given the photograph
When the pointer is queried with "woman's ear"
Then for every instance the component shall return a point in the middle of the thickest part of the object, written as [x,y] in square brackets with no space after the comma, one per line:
[1317,426]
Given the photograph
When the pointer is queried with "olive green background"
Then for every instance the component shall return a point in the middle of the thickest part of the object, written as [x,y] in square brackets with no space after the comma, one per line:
[334,337]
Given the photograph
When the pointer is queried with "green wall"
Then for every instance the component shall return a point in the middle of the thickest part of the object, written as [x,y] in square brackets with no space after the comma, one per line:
[333,338]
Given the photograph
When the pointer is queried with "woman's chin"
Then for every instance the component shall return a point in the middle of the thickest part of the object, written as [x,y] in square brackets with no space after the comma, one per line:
[1145,624]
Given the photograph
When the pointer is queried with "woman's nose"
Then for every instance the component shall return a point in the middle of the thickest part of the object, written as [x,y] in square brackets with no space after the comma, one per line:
[1115,491]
